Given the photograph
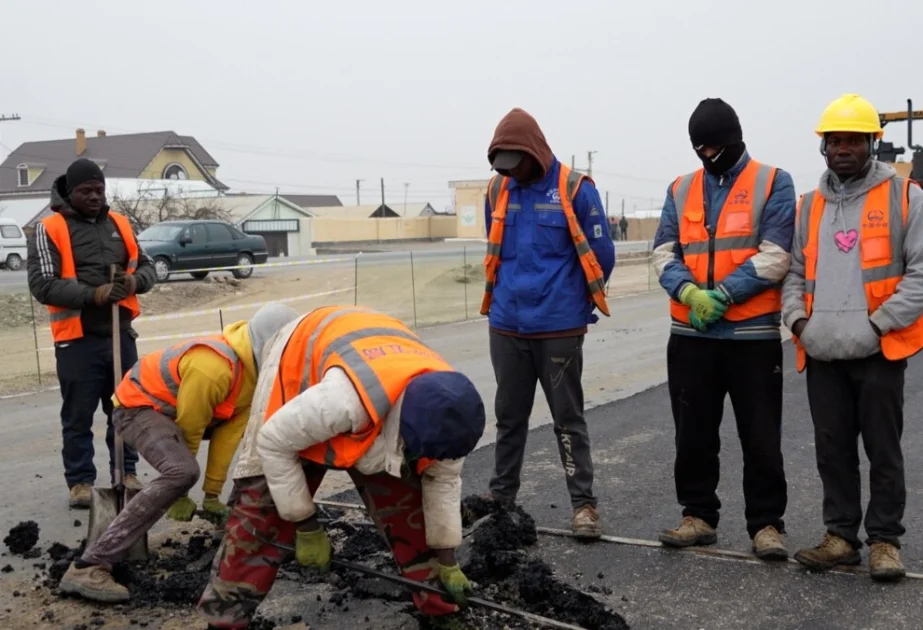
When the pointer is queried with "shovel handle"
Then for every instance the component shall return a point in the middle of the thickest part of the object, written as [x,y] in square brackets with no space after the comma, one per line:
[118,445]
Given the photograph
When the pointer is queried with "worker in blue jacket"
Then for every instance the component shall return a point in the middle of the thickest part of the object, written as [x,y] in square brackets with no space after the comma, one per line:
[721,251]
[550,255]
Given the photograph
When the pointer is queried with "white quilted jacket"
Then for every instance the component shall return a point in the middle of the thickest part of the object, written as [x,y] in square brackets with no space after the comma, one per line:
[329,408]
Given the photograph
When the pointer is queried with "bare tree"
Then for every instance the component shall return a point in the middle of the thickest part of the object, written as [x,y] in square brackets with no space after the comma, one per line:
[156,205]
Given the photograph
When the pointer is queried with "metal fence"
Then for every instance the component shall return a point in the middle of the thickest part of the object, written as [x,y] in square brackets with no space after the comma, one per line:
[422,288]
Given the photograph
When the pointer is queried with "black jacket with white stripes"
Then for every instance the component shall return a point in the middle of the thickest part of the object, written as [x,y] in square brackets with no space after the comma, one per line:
[96,245]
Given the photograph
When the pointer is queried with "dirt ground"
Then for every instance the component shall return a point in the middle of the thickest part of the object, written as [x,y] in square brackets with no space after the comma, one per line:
[427,293]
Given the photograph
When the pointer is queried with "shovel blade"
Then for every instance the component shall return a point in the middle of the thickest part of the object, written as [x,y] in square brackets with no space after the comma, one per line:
[105,505]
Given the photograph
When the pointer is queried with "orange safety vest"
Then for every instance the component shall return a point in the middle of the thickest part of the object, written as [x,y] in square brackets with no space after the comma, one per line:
[65,322]
[568,184]
[154,381]
[712,257]
[379,354]
[881,248]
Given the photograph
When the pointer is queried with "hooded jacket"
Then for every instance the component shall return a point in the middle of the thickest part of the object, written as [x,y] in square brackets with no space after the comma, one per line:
[96,245]
[839,327]
[541,287]
[764,270]
[329,408]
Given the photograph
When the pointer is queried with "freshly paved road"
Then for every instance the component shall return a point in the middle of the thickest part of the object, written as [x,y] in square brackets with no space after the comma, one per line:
[633,444]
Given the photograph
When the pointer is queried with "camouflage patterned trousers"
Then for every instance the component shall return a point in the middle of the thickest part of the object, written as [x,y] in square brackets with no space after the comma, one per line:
[245,567]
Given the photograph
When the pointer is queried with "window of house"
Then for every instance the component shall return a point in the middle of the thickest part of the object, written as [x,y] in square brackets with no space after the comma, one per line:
[218,233]
[175,171]
[10,231]
[23,175]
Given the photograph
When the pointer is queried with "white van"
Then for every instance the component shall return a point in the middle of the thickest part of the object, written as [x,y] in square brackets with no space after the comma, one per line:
[12,245]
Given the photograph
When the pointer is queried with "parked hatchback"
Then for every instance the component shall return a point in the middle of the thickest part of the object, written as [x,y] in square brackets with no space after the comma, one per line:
[12,245]
[199,247]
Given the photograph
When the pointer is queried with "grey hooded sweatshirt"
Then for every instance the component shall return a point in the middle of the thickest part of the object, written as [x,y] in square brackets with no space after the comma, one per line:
[840,326]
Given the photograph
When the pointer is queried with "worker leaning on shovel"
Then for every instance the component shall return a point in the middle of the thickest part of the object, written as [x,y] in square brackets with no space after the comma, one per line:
[349,389]
[164,406]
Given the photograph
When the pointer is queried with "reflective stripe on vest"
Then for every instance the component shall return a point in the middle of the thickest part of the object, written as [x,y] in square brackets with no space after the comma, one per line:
[154,381]
[736,238]
[378,353]
[65,323]
[568,184]
[881,248]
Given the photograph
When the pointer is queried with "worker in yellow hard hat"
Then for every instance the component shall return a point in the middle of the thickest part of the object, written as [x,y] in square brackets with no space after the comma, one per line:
[853,300]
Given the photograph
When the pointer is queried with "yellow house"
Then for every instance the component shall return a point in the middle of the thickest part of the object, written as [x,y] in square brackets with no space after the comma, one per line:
[470,197]
[28,173]
[32,168]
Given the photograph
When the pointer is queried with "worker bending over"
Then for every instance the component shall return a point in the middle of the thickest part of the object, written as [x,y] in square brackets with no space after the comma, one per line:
[349,389]
[163,407]
[853,301]
[721,251]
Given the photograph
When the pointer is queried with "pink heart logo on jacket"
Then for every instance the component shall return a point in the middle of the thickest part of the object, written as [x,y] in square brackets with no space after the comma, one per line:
[845,241]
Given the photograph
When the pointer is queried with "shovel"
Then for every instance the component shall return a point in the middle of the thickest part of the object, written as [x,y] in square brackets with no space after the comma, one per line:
[106,503]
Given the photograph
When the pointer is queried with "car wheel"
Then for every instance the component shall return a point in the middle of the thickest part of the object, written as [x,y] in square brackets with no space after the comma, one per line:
[162,269]
[13,262]
[199,275]
[246,267]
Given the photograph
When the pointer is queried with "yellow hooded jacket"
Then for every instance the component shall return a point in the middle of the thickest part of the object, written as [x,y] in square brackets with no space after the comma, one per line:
[205,382]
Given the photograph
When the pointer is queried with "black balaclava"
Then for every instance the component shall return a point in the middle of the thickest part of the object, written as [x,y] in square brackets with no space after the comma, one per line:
[82,170]
[714,124]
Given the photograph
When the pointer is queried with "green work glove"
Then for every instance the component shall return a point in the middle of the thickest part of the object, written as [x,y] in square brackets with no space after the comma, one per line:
[312,549]
[214,510]
[182,509]
[707,306]
[697,323]
[455,583]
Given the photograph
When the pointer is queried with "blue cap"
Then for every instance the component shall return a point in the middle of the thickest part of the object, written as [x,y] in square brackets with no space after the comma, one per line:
[442,416]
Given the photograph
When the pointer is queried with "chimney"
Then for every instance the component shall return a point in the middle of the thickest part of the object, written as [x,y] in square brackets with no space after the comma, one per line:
[101,133]
[81,142]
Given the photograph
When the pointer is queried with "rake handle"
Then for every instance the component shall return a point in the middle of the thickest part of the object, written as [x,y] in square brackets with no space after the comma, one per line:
[118,445]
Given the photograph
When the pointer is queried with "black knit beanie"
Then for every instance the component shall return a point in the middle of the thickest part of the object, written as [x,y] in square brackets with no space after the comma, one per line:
[82,170]
[714,123]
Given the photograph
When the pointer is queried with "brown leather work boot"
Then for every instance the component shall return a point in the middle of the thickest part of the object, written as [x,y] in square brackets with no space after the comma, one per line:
[94,583]
[691,532]
[586,522]
[80,496]
[885,562]
[831,551]
[769,544]
[133,483]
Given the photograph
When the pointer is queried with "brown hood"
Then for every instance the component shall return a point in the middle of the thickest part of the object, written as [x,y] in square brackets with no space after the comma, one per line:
[518,131]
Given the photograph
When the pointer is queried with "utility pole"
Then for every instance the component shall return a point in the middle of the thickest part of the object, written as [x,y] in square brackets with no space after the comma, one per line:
[11,118]
[406,186]
[358,181]
[607,204]
[623,207]
[589,163]
[382,193]
[573,162]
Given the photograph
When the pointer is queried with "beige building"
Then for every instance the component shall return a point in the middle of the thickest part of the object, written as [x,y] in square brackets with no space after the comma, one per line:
[470,197]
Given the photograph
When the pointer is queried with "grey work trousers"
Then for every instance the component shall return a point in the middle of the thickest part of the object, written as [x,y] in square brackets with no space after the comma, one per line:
[557,363]
[160,442]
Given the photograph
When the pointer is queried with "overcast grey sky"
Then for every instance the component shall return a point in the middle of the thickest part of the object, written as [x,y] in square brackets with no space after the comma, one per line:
[309,96]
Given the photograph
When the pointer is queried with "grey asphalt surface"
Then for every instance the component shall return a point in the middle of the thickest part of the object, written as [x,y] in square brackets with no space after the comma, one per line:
[661,589]
[632,431]
[14,281]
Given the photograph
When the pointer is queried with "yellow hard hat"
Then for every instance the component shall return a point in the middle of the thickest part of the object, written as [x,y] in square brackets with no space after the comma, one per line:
[850,112]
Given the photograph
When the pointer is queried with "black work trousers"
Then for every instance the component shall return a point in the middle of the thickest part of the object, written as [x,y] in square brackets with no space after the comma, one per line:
[86,374]
[701,373]
[519,365]
[848,399]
